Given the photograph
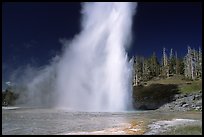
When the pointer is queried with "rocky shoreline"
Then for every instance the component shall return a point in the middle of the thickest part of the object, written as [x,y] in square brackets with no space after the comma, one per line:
[184,102]
[166,98]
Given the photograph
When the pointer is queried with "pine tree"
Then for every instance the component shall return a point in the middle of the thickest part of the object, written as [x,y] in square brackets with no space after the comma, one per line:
[177,63]
[138,70]
[200,63]
[165,67]
[154,66]
[134,72]
[146,70]
[172,63]
[191,64]
[179,66]
[187,63]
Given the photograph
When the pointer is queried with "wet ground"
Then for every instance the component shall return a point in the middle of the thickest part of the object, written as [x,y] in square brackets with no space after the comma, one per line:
[39,121]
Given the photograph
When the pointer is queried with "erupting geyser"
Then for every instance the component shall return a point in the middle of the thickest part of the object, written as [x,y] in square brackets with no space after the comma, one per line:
[94,73]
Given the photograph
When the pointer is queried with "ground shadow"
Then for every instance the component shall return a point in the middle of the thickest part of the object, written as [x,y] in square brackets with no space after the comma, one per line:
[153,96]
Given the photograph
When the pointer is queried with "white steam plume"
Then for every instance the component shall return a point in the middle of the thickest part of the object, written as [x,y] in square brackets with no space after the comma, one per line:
[93,73]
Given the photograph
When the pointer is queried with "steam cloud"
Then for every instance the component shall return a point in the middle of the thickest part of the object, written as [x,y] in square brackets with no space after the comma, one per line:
[93,72]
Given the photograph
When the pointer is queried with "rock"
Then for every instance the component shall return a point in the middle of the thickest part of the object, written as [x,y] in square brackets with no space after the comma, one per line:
[198,96]
[177,96]
[199,103]
[181,96]
[193,106]
[176,107]
[197,108]
[185,105]
[169,106]
[185,95]
[182,102]
[192,97]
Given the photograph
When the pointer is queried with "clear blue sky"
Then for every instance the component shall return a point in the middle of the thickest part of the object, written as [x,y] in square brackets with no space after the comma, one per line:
[31,31]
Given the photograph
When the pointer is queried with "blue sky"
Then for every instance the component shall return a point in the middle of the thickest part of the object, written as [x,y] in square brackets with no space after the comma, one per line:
[31,31]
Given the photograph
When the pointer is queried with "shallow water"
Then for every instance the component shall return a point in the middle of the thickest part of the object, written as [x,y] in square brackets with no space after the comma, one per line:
[21,121]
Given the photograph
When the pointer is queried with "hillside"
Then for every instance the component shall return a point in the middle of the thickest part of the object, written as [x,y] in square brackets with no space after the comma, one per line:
[175,90]
[184,85]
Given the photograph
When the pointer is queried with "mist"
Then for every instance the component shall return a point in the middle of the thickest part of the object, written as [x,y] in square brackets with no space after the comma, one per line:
[93,72]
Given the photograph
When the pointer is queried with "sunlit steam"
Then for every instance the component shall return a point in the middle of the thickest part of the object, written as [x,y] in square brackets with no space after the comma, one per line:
[93,73]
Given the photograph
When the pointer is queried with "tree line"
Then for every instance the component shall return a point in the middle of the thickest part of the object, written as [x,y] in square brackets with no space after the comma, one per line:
[190,66]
